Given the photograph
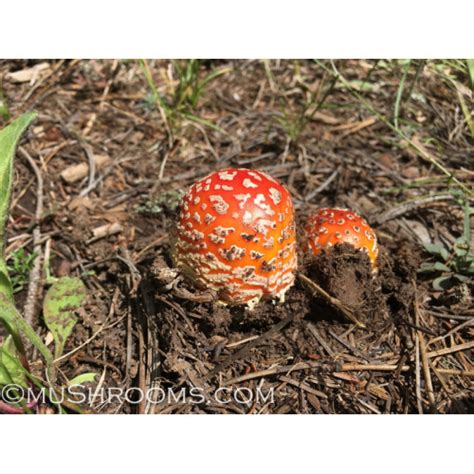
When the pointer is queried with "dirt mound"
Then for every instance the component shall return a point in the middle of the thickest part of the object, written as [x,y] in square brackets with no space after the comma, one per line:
[346,274]
[224,342]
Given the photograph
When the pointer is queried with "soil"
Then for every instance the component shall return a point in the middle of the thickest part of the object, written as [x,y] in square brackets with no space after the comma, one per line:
[145,327]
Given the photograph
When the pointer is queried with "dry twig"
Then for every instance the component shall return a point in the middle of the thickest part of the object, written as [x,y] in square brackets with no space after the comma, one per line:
[35,274]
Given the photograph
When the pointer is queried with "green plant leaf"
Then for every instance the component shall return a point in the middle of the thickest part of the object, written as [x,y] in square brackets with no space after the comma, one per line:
[62,299]
[461,278]
[83,378]
[10,365]
[460,251]
[461,247]
[9,317]
[9,138]
[5,283]
[19,266]
[443,283]
[427,267]
[15,324]
[441,267]
[437,249]
[5,378]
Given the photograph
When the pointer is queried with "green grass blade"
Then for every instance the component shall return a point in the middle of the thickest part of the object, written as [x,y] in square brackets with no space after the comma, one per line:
[205,122]
[179,71]
[201,85]
[151,84]
[466,112]
[467,222]
[422,153]
[213,75]
[9,138]
[470,67]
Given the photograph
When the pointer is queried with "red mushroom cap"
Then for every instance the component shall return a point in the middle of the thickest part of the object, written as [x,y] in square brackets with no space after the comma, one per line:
[328,227]
[236,236]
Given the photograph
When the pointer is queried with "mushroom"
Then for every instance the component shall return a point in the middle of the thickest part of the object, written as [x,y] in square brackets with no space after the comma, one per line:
[328,227]
[236,236]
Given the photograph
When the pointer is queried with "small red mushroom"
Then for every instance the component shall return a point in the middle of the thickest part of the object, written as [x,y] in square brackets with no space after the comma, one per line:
[236,236]
[328,227]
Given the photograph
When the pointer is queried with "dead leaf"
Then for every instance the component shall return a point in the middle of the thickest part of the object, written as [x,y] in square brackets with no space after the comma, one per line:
[81,202]
[375,390]
[28,75]
[411,172]
[388,161]
[419,230]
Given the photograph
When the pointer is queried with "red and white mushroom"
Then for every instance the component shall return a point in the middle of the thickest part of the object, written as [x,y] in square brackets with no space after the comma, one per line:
[328,227]
[236,236]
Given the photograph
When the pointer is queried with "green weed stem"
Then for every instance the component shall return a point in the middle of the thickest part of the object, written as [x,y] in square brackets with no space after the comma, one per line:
[398,98]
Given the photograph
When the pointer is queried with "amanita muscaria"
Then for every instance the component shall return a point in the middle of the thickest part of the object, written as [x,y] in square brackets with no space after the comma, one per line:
[236,236]
[328,227]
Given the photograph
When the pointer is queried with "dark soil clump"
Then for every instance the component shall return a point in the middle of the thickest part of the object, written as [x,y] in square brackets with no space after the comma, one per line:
[346,274]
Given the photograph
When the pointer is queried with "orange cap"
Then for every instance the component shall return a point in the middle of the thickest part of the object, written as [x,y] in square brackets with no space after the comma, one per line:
[236,236]
[329,227]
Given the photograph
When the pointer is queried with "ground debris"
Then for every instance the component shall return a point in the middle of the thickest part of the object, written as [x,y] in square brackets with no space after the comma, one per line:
[145,327]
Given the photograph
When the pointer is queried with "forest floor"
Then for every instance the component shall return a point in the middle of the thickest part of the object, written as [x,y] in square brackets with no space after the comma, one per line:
[391,140]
